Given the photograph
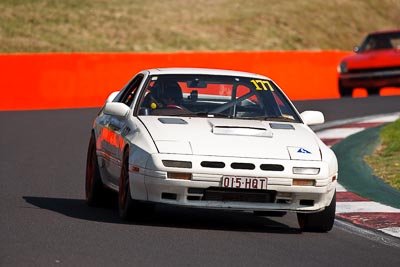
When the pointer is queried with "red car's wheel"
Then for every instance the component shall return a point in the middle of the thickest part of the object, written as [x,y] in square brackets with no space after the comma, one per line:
[345,91]
[373,90]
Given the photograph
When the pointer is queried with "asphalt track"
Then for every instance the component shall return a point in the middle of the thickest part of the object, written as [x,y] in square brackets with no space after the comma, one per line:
[44,220]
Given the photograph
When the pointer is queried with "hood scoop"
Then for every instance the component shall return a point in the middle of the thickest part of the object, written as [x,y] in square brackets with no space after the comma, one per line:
[241,130]
[172,121]
[281,126]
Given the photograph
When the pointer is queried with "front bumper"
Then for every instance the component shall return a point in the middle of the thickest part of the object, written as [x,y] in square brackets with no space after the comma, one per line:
[204,190]
[187,193]
[370,78]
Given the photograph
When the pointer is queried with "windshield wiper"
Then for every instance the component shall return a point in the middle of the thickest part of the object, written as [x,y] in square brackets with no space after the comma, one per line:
[270,118]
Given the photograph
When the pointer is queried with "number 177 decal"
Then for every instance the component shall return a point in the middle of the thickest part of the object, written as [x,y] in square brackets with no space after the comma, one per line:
[262,85]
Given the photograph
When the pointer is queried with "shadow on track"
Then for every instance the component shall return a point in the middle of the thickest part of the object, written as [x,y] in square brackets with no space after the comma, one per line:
[166,216]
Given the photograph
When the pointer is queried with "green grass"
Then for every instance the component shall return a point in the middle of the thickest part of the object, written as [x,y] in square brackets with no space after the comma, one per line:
[186,25]
[385,161]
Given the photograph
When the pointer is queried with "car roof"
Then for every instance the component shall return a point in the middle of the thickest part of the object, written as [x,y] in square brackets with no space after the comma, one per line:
[385,32]
[206,71]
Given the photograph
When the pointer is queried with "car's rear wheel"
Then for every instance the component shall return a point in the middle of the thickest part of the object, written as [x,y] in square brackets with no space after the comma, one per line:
[94,188]
[320,221]
[344,91]
[129,208]
[373,90]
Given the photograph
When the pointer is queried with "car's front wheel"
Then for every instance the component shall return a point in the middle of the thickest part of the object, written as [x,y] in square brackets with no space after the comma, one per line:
[94,189]
[320,221]
[128,207]
[125,202]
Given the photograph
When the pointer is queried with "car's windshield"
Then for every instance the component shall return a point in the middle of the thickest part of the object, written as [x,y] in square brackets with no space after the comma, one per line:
[215,96]
[381,41]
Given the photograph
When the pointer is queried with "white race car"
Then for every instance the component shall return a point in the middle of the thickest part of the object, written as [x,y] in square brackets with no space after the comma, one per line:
[208,138]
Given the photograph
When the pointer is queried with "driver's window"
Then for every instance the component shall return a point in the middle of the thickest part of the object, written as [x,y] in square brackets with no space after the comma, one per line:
[130,91]
[370,44]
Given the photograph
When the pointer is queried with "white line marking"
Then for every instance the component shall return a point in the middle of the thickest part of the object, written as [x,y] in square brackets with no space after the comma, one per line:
[394,231]
[338,133]
[383,118]
[363,206]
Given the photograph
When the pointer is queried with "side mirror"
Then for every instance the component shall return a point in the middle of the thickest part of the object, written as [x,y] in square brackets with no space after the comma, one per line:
[116,109]
[111,97]
[356,49]
[311,117]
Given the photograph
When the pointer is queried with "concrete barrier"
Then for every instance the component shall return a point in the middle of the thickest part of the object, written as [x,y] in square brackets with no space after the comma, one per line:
[76,80]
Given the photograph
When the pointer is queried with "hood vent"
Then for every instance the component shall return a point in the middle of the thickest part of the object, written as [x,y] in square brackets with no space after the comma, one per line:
[281,126]
[172,121]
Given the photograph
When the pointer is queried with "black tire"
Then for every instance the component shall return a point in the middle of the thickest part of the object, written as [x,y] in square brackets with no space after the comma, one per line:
[320,221]
[94,188]
[373,90]
[125,202]
[129,208]
[345,91]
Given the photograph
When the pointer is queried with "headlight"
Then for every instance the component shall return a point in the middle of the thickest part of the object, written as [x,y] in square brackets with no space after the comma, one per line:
[177,164]
[342,68]
[305,170]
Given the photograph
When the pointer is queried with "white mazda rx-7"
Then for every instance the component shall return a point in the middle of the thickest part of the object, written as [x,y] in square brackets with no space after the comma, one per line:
[215,139]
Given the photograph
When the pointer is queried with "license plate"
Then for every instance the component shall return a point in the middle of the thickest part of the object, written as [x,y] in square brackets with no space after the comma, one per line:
[244,182]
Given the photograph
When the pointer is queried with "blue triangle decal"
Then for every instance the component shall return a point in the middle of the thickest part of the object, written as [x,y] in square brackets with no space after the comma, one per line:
[304,151]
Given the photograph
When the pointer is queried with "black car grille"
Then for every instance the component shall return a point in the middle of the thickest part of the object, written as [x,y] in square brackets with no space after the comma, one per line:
[368,70]
[242,166]
[239,195]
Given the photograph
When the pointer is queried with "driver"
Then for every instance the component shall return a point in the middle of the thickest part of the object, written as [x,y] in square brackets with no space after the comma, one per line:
[166,95]
[172,94]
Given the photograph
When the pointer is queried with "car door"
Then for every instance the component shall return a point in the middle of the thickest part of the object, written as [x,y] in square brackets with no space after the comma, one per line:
[113,130]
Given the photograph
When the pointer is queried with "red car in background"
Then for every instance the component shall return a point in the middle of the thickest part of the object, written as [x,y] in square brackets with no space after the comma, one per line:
[375,64]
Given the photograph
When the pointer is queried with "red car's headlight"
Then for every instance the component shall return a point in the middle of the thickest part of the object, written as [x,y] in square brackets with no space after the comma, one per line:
[342,68]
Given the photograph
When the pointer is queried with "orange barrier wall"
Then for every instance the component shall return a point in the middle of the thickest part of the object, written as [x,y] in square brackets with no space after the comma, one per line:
[52,81]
